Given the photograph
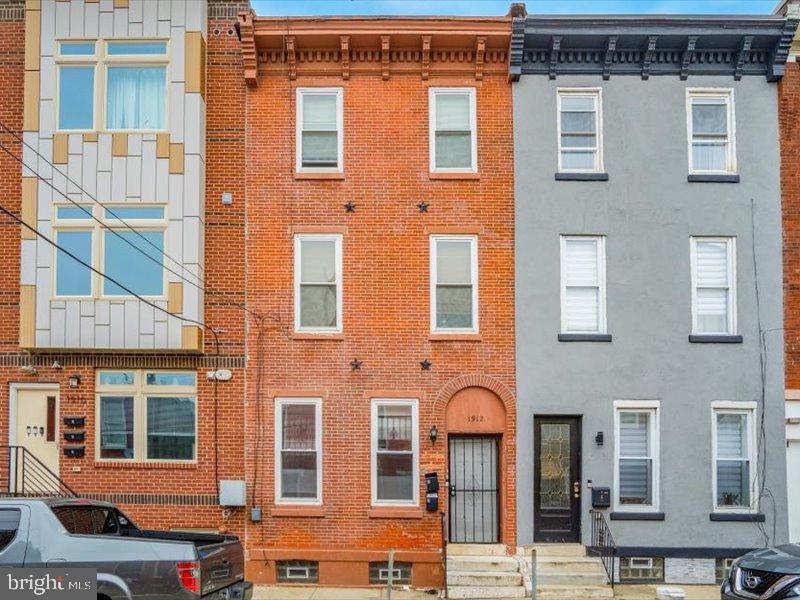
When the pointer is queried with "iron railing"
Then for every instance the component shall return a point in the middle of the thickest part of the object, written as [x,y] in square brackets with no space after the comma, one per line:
[602,544]
[27,476]
[445,537]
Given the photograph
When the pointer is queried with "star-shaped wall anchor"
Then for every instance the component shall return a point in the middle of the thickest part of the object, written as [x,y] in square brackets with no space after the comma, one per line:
[426,365]
[355,364]
[349,207]
[423,206]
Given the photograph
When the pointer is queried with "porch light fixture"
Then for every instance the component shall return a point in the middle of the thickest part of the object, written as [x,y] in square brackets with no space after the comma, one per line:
[74,380]
[434,434]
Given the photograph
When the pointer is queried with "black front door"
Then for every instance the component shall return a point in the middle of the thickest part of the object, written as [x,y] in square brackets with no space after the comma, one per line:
[474,490]
[557,479]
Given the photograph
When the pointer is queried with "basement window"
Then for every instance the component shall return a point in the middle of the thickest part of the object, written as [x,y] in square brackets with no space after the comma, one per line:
[641,569]
[379,573]
[298,571]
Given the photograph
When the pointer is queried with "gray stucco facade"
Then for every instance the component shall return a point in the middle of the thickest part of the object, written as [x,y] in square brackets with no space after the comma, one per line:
[647,211]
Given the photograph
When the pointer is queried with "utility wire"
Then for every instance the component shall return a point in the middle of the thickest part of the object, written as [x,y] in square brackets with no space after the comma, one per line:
[116,217]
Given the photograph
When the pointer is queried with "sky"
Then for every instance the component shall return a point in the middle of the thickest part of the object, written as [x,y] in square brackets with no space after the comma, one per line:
[500,7]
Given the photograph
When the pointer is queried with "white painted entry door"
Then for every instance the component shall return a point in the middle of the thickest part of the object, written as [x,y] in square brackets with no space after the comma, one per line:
[37,424]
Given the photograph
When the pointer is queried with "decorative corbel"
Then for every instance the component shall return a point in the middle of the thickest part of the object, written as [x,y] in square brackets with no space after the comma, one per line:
[554,51]
[691,44]
[517,44]
[777,58]
[345,55]
[291,57]
[426,56]
[480,54]
[249,54]
[611,47]
[385,57]
[747,43]
[648,56]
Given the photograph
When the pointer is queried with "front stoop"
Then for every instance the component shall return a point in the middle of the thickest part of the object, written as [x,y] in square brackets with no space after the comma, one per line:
[482,572]
[565,572]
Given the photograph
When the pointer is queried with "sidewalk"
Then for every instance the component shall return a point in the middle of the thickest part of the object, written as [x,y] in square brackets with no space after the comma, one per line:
[648,592]
[276,592]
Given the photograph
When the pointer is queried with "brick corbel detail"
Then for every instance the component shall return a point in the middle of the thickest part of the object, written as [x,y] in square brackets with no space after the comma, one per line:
[480,53]
[249,53]
[426,57]
[291,57]
[345,55]
[385,57]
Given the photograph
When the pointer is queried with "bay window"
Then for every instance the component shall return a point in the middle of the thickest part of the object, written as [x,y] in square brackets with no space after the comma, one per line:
[395,452]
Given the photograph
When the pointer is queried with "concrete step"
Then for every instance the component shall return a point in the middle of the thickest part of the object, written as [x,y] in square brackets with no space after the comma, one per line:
[589,564]
[483,578]
[477,550]
[458,592]
[572,592]
[482,563]
[570,578]
[557,550]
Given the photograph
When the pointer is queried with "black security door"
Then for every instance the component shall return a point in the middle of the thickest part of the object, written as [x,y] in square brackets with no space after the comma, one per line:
[557,479]
[474,490]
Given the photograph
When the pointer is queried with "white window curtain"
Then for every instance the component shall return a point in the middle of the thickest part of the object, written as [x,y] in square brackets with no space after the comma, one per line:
[318,284]
[710,140]
[712,293]
[136,98]
[733,460]
[582,291]
[579,132]
[635,458]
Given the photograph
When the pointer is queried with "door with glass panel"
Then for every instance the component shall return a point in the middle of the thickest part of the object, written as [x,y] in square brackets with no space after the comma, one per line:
[557,479]
[474,490]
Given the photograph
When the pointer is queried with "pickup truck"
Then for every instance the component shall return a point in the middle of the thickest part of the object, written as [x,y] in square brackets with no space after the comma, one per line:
[131,563]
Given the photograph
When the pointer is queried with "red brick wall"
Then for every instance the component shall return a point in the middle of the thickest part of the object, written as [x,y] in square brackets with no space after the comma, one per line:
[789,109]
[386,299]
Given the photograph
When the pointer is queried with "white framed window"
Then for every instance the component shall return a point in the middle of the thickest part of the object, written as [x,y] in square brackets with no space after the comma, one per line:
[454,283]
[108,246]
[112,85]
[146,415]
[298,450]
[583,284]
[320,131]
[453,130]
[713,285]
[395,452]
[580,130]
[734,446]
[318,283]
[711,131]
[636,455]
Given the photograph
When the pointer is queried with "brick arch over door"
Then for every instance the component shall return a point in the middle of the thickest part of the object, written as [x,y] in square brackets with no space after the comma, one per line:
[455,385]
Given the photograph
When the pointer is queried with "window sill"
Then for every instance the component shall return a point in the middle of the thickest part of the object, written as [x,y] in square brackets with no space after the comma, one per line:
[637,516]
[124,464]
[395,512]
[715,339]
[312,175]
[453,175]
[455,337]
[584,337]
[560,176]
[317,512]
[737,517]
[711,178]
[317,336]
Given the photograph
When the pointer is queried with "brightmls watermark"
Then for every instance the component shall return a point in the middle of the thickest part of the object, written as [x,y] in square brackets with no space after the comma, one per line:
[48,584]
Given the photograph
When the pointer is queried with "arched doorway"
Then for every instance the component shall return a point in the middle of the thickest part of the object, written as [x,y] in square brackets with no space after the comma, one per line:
[475,419]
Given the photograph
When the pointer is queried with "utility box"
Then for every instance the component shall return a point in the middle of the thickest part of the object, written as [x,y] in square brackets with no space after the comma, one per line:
[232,492]
[601,497]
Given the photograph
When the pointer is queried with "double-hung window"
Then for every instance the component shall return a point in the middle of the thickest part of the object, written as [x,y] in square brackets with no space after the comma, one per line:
[713,285]
[636,455]
[298,449]
[146,415]
[126,243]
[711,129]
[318,283]
[112,85]
[453,130]
[319,140]
[734,456]
[580,131]
[583,284]
[454,284]
[395,452]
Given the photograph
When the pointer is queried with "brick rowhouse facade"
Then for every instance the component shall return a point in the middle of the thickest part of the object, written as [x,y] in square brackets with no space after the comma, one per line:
[385,205]
[155,494]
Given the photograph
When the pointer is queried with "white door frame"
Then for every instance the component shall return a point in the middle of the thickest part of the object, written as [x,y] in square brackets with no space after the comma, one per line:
[14,389]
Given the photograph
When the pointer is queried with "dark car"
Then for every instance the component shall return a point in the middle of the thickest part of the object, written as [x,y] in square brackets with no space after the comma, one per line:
[766,574]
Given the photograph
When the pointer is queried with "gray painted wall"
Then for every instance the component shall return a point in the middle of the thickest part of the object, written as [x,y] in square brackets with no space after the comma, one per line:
[648,211]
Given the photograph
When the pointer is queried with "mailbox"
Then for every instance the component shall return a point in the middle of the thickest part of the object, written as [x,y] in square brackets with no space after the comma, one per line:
[601,497]
[74,451]
[74,436]
[432,501]
[74,421]
[431,482]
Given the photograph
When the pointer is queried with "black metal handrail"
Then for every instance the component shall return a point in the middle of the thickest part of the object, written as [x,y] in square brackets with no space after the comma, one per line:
[445,536]
[602,544]
[27,476]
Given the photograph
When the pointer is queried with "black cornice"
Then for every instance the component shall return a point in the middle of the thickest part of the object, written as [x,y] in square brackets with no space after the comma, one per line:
[650,46]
